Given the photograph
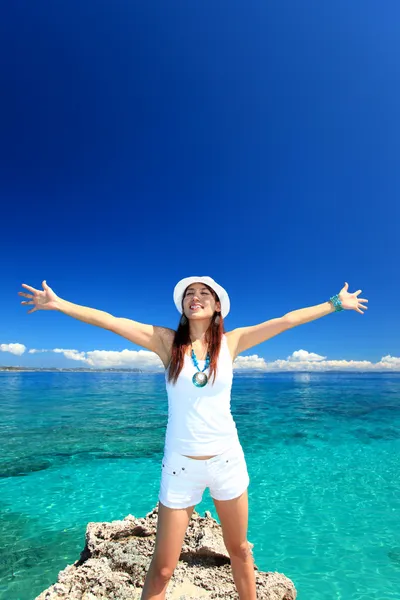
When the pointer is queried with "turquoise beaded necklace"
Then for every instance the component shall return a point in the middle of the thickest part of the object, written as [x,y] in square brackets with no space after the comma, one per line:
[200,378]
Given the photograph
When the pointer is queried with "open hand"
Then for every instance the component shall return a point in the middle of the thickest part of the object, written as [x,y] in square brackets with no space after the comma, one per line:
[351,301]
[46,300]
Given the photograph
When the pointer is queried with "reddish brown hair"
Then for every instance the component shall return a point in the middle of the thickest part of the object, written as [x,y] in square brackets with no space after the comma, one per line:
[213,337]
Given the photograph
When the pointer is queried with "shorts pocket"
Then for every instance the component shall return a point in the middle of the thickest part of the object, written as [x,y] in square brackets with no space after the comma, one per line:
[172,469]
[229,463]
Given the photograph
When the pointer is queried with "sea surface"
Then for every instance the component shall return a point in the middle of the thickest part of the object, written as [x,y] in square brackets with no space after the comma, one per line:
[323,454]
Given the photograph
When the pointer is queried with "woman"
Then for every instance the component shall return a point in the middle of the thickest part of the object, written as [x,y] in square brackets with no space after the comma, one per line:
[202,448]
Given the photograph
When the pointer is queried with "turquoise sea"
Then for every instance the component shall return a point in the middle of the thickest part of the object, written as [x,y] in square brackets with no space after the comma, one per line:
[323,453]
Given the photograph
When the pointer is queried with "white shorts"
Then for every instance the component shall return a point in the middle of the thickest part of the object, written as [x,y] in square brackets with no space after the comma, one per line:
[184,479]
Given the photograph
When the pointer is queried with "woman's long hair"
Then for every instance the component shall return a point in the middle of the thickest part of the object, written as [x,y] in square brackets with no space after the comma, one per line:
[213,337]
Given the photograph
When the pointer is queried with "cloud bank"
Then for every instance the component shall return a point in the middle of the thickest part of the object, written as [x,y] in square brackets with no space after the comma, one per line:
[300,360]
[17,349]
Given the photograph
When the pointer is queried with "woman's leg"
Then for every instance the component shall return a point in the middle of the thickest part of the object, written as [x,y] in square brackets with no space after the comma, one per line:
[233,516]
[172,524]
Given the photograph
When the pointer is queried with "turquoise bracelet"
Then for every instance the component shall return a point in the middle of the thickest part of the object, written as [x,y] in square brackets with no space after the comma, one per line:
[336,303]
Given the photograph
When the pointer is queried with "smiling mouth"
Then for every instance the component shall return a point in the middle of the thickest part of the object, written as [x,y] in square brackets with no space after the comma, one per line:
[197,307]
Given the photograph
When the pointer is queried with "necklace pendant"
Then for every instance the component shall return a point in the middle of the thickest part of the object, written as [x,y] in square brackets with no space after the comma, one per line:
[199,379]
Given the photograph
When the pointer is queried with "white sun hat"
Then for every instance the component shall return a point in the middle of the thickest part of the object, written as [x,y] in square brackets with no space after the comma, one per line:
[184,283]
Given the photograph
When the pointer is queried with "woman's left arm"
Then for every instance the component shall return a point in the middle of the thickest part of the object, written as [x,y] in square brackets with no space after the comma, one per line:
[247,337]
[348,301]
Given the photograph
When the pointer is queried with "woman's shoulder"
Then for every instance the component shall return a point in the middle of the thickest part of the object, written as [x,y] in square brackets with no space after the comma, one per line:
[166,337]
[232,342]
[165,332]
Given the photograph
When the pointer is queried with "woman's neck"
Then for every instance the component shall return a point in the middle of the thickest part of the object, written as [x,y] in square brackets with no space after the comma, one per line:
[197,331]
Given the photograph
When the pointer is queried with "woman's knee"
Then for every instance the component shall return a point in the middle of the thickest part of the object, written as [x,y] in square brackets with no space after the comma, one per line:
[241,550]
[162,570]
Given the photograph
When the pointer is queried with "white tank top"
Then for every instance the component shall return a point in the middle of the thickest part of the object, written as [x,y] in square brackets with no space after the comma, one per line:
[200,422]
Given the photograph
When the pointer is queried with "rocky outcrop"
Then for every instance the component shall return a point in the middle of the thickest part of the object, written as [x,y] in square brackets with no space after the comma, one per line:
[114,563]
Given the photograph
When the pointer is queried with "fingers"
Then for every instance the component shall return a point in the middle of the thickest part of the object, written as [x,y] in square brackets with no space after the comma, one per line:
[30,302]
[361,306]
[29,287]
[32,296]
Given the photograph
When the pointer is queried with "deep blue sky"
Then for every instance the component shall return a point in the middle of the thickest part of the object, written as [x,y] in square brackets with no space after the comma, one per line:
[256,142]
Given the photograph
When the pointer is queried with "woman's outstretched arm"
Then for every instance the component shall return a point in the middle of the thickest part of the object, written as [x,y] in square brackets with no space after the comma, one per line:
[247,337]
[47,299]
[149,336]
[348,302]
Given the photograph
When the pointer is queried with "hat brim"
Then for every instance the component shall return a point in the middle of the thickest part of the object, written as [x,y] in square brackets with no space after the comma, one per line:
[181,286]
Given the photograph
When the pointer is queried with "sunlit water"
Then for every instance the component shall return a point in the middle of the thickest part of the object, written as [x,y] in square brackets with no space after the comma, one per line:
[323,454]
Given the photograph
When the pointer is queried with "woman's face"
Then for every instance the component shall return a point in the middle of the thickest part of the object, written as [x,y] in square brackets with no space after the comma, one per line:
[199,302]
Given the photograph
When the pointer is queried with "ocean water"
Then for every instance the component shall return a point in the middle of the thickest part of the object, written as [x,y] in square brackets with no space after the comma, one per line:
[323,454]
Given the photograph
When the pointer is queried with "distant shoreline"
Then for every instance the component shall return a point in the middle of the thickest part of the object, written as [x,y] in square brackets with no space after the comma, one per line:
[71,370]
[122,370]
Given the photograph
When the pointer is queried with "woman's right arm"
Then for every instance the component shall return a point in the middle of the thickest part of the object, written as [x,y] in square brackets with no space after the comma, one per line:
[154,338]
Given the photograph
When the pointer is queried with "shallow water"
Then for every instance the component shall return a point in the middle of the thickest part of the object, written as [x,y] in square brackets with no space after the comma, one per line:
[323,454]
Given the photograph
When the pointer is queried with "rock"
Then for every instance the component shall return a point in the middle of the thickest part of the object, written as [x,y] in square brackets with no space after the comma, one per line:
[116,557]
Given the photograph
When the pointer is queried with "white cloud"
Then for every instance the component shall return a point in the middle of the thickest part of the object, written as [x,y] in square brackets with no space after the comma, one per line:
[390,362]
[250,362]
[72,354]
[17,349]
[133,359]
[301,360]
[139,359]
[301,355]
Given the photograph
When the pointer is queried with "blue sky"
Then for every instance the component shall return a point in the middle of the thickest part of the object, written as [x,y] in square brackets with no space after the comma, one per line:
[254,142]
